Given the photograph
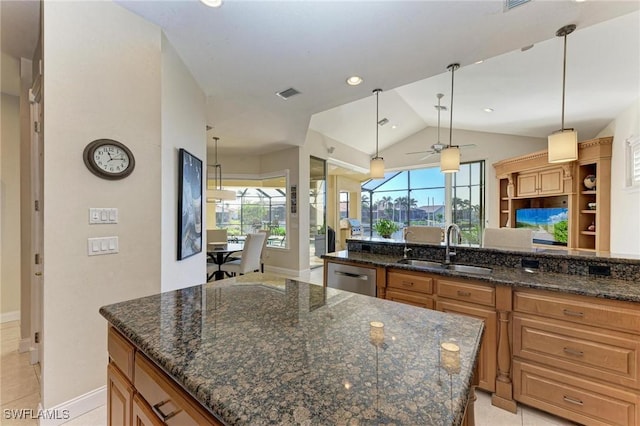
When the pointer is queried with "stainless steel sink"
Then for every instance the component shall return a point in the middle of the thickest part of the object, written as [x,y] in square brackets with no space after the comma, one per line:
[469,269]
[421,263]
[465,269]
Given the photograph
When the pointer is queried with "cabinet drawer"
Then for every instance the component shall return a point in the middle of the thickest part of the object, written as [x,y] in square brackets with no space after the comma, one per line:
[169,402]
[410,298]
[121,352]
[603,313]
[575,399]
[472,293]
[601,354]
[410,282]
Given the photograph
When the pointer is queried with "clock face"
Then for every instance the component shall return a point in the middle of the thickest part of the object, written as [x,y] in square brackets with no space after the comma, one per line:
[111,158]
[108,159]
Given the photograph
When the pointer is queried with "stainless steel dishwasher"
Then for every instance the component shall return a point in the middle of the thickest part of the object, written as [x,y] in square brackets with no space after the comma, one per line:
[351,278]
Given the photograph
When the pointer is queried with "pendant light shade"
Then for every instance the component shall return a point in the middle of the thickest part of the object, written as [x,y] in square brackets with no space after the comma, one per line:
[218,194]
[450,160]
[563,144]
[376,167]
[450,156]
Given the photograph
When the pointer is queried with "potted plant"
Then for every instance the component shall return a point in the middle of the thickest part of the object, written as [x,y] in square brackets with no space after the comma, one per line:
[385,227]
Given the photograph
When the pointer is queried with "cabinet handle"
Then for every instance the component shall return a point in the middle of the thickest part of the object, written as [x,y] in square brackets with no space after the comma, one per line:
[572,313]
[572,400]
[464,293]
[571,351]
[407,283]
[163,416]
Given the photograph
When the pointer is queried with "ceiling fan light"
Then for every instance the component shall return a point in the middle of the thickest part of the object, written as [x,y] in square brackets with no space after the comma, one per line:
[450,160]
[563,146]
[376,168]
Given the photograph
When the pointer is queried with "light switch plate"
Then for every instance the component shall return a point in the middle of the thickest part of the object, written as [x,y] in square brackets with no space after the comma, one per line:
[102,245]
[102,215]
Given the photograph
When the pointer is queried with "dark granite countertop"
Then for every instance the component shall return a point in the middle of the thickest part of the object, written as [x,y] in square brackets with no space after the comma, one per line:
[606,288]
[262,349]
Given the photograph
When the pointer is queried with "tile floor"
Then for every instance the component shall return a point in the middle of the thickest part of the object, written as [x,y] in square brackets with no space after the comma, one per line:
[20,388]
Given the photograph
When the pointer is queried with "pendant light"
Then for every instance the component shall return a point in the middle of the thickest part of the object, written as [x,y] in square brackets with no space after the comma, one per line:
[218,193]
[450,156]
[376,168]
[563,144]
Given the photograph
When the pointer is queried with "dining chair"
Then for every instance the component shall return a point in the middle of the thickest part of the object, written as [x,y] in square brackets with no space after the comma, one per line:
[250,260]
[423,234]
[508,238]
[264,245]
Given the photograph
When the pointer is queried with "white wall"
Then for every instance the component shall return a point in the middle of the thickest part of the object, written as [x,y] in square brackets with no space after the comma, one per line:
[102,80]
[491,147]
[625,202]
[9,208]
[183,126]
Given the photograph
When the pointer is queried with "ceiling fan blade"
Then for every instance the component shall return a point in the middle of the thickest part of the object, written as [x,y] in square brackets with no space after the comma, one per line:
[469,145]
[427,156]
[420,152]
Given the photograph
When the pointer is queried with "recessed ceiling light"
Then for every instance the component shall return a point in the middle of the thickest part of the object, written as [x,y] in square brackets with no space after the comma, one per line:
[212,3]
[354,80]
[488,109]
[580,1]
[395,126]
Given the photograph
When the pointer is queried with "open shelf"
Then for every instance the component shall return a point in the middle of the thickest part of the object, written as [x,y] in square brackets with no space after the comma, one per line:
[588,211]
[588,233]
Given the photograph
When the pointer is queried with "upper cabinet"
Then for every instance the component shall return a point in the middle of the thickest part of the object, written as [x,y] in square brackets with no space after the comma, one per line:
[580,187]
[544,182]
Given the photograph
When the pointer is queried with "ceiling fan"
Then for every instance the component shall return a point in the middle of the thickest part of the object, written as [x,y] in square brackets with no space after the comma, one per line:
[437,147]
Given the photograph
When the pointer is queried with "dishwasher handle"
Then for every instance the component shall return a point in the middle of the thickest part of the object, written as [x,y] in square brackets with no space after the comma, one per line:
[351,275]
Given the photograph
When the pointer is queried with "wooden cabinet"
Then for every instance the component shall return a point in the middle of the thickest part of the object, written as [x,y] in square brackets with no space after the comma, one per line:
[448,294]
[487,358]
[544,182]
[412,288]
[119,397]
[577,357]
[145,395]
[529,181]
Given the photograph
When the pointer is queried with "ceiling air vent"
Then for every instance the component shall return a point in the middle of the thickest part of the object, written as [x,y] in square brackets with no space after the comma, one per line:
[510,4]
[286,94]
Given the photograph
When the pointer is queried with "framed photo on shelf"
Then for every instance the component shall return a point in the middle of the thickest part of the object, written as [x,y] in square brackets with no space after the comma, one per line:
[189,205]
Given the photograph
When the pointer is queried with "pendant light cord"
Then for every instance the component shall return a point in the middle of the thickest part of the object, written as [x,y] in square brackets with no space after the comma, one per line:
[216,167]
[564,78]
[377,92]
[453,68]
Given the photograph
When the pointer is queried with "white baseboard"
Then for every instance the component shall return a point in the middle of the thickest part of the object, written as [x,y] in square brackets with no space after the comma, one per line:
[10,316]
[73,408]
[24,345]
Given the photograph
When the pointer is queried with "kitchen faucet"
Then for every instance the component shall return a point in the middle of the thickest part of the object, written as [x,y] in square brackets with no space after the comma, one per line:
[447,251]
[406,249]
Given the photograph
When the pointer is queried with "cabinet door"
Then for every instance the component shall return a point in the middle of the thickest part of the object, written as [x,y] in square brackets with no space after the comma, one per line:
[142,413]
[119,397]
[527,184]
[410,298]
[551,182]
[488,349]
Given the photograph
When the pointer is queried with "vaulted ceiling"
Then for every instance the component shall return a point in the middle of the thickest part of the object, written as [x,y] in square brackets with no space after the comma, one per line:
[244,52]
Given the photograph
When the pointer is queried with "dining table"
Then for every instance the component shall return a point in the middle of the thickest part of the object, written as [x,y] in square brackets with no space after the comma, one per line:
[219,254]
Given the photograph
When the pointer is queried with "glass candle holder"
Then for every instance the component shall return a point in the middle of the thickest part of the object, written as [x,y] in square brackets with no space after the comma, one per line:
[450,357]
[376,332]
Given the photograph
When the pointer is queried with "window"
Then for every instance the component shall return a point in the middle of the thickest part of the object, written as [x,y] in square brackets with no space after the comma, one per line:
[344,205]
[633,162]
[418,197]
[260,204]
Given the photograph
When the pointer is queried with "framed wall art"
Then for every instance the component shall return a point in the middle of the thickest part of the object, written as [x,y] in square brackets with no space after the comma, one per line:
[189,205]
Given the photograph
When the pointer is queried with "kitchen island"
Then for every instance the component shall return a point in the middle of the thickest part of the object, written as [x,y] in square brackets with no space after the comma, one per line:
[260,349]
